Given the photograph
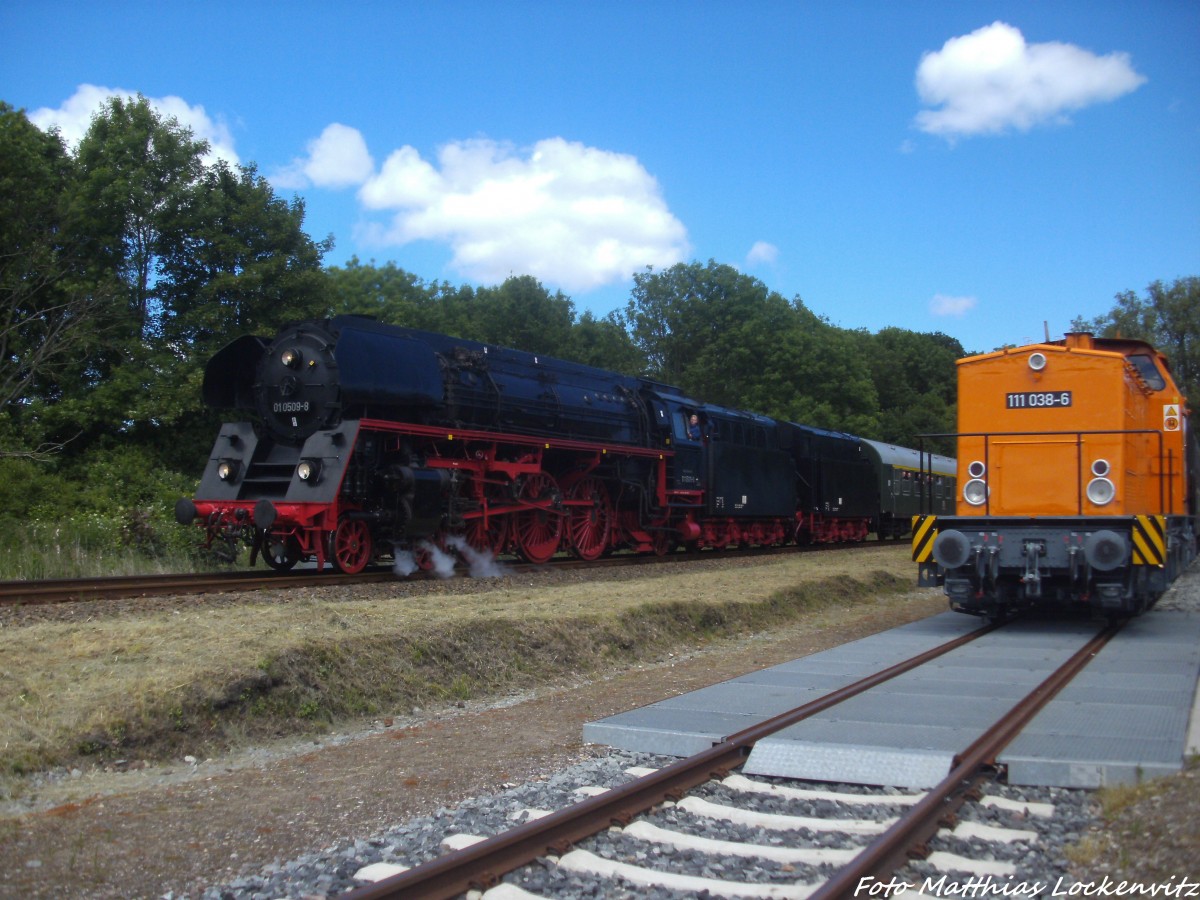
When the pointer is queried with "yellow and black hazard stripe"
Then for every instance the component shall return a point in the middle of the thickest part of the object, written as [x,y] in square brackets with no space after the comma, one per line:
[924,530]
[1149,540]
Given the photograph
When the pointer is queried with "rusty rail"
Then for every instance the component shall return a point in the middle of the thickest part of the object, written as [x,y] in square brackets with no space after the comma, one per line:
[66,590]
[892,848]
[481,865]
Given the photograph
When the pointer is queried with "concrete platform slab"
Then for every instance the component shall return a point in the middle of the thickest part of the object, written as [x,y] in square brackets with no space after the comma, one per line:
[1125,717]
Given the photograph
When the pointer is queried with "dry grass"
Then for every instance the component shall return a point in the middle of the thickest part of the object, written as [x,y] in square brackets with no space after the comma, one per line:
[208,678]
[1151,830]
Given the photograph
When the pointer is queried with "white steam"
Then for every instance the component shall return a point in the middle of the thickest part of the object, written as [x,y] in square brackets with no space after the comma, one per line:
[479,565]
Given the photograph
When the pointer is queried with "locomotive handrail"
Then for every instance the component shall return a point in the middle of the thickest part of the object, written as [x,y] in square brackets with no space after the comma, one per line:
[1165,460]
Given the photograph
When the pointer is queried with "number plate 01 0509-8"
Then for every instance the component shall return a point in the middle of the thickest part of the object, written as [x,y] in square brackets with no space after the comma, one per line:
[1037,399]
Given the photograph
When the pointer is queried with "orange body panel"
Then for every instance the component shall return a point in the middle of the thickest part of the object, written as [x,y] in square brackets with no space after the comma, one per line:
[1043,432]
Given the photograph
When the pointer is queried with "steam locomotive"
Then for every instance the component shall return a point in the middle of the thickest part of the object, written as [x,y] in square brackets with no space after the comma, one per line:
[1083,481]
[364,440]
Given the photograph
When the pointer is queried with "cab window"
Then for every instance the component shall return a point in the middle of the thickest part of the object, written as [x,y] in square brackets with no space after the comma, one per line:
[1149,372]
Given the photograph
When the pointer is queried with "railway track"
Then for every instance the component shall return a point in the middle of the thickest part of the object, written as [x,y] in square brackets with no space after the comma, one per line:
[69,590]
[897,830]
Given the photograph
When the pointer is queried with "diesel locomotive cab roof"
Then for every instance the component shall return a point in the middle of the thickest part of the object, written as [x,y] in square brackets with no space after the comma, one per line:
[1081,342]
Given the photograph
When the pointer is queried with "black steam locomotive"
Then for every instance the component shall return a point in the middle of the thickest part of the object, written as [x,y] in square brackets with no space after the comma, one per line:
[368,440]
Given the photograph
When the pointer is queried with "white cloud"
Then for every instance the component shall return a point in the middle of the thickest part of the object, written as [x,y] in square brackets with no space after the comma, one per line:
[991,80]
[74,118]
[943,305]
[575,216]
[762,252]
[338,158]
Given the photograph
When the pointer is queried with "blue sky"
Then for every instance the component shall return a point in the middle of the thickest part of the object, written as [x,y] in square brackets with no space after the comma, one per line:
[976,168]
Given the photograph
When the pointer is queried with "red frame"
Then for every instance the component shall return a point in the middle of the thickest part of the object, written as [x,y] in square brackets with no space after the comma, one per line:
[310,525]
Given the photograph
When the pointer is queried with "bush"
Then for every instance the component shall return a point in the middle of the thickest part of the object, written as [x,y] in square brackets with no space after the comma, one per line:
[106,513]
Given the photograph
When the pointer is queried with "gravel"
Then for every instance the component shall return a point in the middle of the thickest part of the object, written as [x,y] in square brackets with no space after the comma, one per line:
[331,871]
[220,829]
[1043,867]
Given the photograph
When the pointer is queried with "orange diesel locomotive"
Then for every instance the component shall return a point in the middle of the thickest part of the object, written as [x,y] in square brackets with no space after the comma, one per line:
[1078,476]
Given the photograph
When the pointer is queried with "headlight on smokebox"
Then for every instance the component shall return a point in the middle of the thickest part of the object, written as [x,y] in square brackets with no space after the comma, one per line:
[309,471]
[227,469]
[1101,491]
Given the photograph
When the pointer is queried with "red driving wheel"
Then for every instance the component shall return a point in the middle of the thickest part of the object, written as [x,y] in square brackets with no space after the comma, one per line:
[351,546]
[589,527]
[538,528]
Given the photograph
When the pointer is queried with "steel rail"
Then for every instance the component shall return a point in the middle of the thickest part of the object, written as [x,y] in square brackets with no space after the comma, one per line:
[65,590]
[482,865]
[892,849]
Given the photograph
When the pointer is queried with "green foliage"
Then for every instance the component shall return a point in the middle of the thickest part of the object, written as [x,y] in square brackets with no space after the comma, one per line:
[605,344]
[723,337]
[1168,317]
[48,297]
[107,512]
[916,381]
[519,313]
[123,267]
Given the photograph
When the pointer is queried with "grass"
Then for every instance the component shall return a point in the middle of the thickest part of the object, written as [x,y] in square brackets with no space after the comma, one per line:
[201,678]
[1151,830]
[128,542]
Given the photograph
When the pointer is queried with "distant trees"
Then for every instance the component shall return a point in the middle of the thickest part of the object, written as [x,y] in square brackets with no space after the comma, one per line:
[725,338]
[519,313]
[1167,317]
[916,383]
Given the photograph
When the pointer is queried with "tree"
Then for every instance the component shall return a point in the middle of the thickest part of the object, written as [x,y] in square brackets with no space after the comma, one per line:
[49,295]
[236,260]
[195,255]
[1168,318]
[387,293]
[137,171]
[723,337]
[520,313]
[915,377]
[603,343]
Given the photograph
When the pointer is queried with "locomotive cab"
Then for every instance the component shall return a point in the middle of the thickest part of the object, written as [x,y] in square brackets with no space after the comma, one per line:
[1075,479]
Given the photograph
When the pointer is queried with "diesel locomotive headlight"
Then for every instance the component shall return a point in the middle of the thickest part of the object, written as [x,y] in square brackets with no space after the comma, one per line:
[1100,468]
[976,469]
[227,469]
[309,470]
[975,491]
[1037,361]
[1101,491]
